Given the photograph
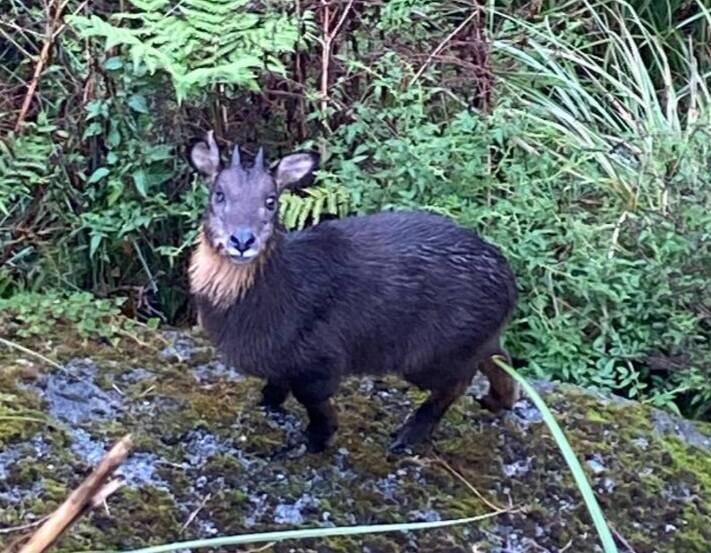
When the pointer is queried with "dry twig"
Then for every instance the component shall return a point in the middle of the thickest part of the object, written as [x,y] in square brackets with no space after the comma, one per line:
[328,36]
[23,349]
[195,513]
[22,527]
[262,548]
[52,24]
[93,487]
[444,464]
[442,44]
[620,538]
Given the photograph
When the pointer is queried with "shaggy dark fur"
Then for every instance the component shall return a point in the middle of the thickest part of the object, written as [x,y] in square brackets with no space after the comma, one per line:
[410,293]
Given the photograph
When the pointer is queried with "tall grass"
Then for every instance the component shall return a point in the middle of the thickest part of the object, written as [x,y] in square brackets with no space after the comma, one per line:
[615,95]
[624,110]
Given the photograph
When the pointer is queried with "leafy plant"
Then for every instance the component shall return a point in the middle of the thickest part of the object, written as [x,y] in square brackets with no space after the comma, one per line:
[637,156]
[310,205]
[600,97]
[609,297]
[31,314]
[27,174]
[197,42]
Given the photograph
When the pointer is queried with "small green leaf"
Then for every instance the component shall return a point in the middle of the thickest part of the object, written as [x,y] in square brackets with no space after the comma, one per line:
[97,175]
[159,152]
[138,103]
[94,244]
[92,130]
[139,179]
[112,64]
[95,108]
[116,191]
[114,137]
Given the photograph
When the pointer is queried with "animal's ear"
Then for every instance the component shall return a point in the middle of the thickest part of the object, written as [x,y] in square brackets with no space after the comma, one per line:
[205,156]
[294,168]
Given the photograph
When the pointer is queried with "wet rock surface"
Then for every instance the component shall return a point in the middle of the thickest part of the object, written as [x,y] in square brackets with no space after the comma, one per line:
[208,462]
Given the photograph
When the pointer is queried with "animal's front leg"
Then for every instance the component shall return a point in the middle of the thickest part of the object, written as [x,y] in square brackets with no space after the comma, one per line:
[314,391]
[274,394]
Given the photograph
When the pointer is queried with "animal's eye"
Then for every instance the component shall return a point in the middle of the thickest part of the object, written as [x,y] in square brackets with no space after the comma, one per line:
[219,196]
[270,203]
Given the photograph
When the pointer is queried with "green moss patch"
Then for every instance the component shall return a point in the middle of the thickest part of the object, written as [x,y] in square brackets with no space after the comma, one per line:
[209,462]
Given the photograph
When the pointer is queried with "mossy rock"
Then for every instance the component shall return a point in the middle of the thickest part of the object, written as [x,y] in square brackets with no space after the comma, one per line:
[208,462]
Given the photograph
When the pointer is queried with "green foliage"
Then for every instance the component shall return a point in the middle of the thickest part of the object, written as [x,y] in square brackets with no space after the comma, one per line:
[33,314]
[99,217]
[199,42]
[601,97]
[298,209]
[27,173]
[128,193]
[610,296]
[24,166]
[586,157]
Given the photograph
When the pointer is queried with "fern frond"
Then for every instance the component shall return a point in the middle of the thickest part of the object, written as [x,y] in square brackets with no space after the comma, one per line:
[24,166]
[297,210]
[200,42]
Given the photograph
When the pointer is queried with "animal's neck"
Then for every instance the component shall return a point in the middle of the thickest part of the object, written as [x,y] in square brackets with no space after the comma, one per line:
[215,278]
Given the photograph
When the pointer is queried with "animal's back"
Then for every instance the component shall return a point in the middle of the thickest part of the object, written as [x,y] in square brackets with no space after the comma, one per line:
[405,291]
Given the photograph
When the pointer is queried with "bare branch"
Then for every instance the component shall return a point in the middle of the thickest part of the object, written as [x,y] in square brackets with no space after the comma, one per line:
[80,499]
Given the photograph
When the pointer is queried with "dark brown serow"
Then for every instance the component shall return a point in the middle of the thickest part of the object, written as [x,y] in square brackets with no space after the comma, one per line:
[409,293]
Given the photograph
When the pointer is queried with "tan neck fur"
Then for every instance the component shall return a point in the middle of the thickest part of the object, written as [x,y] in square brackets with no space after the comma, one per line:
[218,279]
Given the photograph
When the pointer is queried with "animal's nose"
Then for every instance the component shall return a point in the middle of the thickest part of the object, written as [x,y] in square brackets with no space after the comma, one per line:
[243,239]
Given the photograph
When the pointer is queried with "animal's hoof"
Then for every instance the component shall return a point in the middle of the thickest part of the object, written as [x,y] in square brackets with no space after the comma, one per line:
[318,441]
[496,403]
[272,408]
[317,444]
[408,436]
[492,404]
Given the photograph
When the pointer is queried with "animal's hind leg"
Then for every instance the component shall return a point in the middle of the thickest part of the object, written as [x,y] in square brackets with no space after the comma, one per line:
[504,391]
[424,420]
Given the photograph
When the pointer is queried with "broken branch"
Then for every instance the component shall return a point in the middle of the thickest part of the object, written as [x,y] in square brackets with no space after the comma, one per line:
[79,499]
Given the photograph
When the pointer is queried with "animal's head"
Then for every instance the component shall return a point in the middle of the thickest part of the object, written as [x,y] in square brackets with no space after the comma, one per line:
[243,207]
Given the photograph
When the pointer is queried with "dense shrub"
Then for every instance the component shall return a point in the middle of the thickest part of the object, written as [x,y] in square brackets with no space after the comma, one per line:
[579,144]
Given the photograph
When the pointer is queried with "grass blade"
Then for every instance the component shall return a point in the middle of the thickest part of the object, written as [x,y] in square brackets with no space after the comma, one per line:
[311,533]
[598,518]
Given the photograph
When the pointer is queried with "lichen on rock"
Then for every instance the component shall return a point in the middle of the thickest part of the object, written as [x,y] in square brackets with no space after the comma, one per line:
[209,462]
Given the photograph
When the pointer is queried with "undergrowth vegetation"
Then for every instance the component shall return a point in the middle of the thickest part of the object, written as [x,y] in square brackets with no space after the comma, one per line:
[577,136]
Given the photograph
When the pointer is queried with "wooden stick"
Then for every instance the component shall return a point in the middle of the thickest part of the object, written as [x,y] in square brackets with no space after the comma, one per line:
[78,500]
[328,37]
[51,26]
[442,44]
[23,526]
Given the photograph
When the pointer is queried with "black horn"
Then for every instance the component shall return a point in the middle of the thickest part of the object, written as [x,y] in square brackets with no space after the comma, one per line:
[235,163]
[259,159]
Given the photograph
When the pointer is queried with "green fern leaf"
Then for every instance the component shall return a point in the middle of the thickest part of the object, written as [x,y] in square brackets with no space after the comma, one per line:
[200,43]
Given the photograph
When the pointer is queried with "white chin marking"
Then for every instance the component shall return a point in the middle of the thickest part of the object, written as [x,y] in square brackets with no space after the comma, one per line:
[242,257]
